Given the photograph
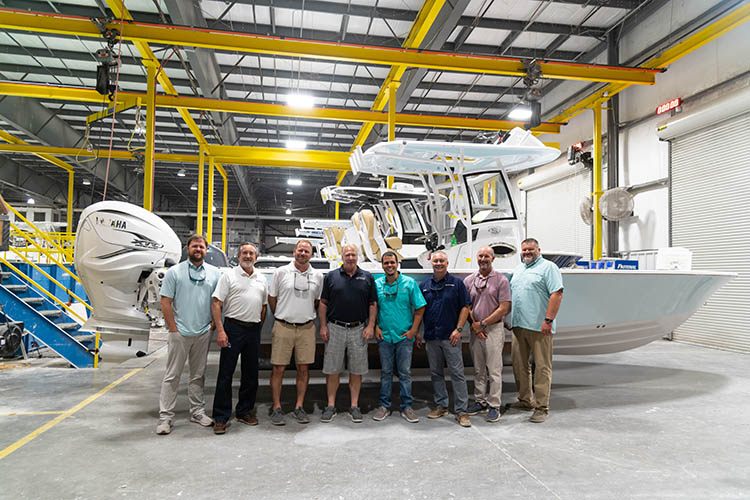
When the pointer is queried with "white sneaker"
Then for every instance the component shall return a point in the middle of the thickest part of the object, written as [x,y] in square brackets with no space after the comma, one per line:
[164,427]
[202,419]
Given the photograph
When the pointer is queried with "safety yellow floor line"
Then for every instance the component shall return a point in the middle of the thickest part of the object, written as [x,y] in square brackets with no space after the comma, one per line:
[29,437]
[15,413]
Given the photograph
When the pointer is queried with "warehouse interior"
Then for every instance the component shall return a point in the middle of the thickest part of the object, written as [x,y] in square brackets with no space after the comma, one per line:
[228,118]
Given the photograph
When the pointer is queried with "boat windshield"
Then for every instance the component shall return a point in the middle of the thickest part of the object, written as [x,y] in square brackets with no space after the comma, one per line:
[409,217]
[488,197]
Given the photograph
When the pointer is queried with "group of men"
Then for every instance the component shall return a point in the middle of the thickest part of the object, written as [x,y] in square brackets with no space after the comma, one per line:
[352,307]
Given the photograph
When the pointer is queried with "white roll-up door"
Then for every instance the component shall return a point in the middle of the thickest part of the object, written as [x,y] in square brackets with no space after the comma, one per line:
[711,217]
[552,215]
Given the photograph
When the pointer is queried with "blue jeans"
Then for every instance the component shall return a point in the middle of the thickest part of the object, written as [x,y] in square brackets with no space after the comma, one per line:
[400,354]
[440,353]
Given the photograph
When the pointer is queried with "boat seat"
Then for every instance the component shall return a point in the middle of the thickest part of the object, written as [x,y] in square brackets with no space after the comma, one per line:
[395,244]
[366,243]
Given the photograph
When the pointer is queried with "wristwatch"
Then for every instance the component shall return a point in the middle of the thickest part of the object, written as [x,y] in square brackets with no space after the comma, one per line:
[483,324]
[460,329]
[548,320]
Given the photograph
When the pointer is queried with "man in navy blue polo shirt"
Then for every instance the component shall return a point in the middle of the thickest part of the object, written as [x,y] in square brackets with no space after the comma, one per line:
[347,311]
[444,319]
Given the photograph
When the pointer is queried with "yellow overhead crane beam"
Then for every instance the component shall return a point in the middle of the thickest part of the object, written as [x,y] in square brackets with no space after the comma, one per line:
[236,155]
[41,91]
[149,59]
[419,29]
[243,42]
[11,139]
[664,59]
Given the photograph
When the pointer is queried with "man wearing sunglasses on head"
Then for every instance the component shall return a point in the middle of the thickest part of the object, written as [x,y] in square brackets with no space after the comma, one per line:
[444,319]
[186,306]
[294,294]
[490,303]
[242,297]
[400,310]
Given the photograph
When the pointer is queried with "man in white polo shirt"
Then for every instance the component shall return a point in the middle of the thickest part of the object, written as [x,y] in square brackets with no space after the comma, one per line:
[293,295]
[241,294]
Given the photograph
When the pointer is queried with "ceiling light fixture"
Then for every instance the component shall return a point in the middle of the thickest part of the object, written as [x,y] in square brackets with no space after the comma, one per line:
[295,144]
[194,187]
[181,172]
[299,101]
[520,112]
[289,193]
[31,201]
[294,182]
[288,211]
[86,182]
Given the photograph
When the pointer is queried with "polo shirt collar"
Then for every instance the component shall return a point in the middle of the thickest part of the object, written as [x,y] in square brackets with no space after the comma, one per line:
[535,261]
[445,278]
[356,271]
[198,268]
[398,280]
[242,272]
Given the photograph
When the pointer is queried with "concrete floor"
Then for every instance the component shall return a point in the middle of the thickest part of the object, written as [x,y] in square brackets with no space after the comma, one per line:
[667,420]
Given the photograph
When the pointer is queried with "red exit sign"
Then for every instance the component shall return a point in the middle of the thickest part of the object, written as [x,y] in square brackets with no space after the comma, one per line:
[668,106]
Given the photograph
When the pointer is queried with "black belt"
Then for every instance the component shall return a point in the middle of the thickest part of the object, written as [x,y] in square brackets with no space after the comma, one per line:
[294,324]
[345,324]
[246,324]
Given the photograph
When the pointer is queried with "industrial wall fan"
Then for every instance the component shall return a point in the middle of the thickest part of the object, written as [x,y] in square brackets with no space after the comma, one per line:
[615,205]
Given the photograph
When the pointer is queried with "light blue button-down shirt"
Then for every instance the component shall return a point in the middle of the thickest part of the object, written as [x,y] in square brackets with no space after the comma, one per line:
[531,287]
[396,305]
[190,289]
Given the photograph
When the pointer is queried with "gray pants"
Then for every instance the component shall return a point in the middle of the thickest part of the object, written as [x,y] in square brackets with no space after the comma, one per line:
[440,353]
[194,350]
[488,365]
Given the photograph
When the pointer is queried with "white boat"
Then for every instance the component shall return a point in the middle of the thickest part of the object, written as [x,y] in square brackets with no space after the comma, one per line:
[460,199]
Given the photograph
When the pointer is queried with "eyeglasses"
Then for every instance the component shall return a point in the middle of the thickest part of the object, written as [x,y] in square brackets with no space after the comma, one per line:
[390,294]
[301,283]
[481,283]
[197,275]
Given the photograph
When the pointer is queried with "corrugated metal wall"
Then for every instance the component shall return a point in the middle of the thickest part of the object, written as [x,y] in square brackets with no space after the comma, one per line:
[711,217]
[552,215]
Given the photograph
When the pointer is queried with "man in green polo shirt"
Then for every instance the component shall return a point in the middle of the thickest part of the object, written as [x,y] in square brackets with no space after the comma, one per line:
[537,289]
[400,310]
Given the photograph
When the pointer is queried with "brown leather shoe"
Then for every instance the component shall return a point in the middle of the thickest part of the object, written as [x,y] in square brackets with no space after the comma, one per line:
[463,420]
[437,412]
[220,427]
[249,419]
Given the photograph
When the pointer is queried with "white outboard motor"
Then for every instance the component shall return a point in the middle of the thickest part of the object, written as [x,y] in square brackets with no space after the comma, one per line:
[121,251]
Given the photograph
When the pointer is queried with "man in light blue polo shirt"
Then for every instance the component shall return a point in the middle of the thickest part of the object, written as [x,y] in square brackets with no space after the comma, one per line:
[186,306]
[400,310]
[537,289]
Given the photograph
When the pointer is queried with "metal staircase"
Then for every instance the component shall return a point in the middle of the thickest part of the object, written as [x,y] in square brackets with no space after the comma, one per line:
[45,320]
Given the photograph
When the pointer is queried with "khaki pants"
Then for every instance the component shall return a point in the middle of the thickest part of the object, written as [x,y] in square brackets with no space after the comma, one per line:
[194,350]
[488,365]
[526,343]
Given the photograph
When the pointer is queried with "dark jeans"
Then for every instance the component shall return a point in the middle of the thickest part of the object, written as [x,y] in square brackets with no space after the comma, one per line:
[400,355]
[244,341]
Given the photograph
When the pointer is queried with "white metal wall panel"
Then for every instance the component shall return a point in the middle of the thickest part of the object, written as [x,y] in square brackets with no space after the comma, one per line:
[552,215]
[711,217]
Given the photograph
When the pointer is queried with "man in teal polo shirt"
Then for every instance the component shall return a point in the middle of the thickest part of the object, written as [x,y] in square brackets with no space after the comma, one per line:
[537,289]
[400,310]
[186,306]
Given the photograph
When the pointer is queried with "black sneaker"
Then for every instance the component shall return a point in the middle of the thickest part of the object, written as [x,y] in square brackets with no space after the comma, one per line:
[476,408]
[300,416]
[277,417]
[329,413]
[356,414]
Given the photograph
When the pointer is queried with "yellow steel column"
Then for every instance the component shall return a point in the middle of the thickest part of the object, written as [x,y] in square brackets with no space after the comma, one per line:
[201,163]
[392,87]
[339,179]
[69,215]
[224,215]
[597,194]
[210,200]
[148,166]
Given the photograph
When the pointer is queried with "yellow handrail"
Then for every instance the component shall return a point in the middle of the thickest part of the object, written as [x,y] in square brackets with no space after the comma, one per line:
[26,259]
[40,288]
[46,253]
[38,231]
